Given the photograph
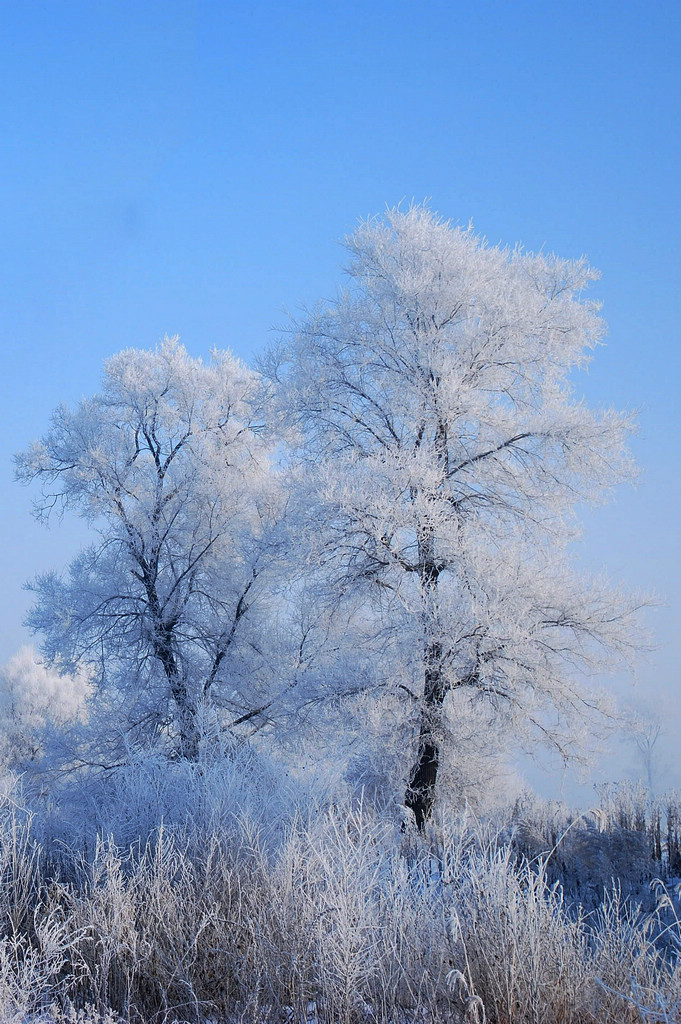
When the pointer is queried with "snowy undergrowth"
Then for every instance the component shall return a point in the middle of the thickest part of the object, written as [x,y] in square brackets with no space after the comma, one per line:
[244,896]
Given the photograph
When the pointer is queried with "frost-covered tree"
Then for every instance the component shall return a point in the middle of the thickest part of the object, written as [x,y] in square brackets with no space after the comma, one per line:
[33,698]
[169,465]
[643,727]
[448,452]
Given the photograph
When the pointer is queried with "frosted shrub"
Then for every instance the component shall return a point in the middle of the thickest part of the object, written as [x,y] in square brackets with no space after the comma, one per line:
[19,873]
[260,905]
[627,837]
[30,967]
[69,1014]
[103,910]
[197,799]
[535,958]
[348,854]
[526,954]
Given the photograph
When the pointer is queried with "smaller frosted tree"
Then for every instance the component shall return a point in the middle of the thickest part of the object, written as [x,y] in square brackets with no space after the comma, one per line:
[446,454]
[34,698]
[169,465]
[643,727]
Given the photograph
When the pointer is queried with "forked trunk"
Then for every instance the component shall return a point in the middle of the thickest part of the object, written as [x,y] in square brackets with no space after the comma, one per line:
[186,709]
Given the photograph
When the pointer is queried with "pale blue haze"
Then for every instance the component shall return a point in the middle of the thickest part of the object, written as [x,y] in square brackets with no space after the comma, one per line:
[178,167]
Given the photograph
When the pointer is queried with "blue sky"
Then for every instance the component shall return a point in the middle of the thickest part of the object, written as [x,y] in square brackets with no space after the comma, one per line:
[189,167]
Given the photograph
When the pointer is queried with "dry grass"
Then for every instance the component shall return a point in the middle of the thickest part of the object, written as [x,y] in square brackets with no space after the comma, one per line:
[270,907]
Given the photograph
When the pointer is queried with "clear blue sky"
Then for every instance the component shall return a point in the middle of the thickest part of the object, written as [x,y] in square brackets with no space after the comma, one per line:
[188,167]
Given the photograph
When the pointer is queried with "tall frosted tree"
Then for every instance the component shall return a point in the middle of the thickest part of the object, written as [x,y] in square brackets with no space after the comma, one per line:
[169,465]
[448,452]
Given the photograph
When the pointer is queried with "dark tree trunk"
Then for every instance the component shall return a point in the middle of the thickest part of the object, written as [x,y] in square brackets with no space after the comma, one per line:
[423,777]
[421,789]
[165,651]
[186,710]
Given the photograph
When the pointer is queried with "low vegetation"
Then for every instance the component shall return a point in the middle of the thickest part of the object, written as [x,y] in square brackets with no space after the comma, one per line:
[223,891]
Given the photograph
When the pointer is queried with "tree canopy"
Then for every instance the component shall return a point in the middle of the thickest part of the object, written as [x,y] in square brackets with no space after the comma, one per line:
[448,453]
[395,490]
[170,464]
